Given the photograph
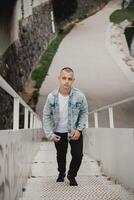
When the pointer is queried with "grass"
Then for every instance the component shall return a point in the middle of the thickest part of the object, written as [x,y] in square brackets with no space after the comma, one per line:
[120,15]
[40,73]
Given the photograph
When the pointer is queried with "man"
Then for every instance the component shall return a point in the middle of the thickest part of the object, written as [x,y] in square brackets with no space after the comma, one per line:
[65,116]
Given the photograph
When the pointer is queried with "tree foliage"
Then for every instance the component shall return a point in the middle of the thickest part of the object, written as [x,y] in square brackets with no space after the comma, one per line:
[63,9]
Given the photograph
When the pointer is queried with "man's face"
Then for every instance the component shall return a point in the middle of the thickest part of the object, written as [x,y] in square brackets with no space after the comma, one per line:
[66,79]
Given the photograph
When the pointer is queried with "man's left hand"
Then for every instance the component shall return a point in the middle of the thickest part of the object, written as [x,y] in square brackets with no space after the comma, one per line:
[75,135]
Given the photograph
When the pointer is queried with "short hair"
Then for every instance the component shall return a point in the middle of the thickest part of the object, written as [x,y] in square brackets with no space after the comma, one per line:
[67,69]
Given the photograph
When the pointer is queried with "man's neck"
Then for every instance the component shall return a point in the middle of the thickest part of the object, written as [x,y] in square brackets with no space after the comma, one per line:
[65,92]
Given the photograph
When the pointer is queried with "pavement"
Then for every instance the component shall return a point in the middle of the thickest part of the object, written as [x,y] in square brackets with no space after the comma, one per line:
[97,73]
[92,185]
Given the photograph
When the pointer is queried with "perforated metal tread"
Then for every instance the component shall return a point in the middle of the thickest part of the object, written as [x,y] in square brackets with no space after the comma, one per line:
[89,188]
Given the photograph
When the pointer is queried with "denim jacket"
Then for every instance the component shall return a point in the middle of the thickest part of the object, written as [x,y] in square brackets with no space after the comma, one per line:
[77,113]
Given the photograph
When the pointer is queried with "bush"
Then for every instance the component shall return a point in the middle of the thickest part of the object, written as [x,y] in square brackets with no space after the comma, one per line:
[120,15]
[63,9]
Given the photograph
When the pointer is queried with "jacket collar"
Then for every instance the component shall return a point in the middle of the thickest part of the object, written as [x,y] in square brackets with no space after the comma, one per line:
[56,92]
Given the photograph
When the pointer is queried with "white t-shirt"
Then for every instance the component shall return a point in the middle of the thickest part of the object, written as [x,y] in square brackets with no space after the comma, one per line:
[63,114]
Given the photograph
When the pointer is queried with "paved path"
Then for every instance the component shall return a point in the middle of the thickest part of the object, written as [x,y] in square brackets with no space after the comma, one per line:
[92,185]
[97,73]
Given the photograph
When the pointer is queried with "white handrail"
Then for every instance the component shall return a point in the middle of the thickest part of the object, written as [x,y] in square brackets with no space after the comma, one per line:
[35,121]
[5,86]
[112,105]
[110,111]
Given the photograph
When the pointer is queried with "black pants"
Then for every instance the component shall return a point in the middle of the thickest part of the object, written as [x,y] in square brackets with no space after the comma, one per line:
[76,152]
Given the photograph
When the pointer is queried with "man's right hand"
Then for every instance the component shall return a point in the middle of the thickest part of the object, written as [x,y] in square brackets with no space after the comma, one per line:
[56,138]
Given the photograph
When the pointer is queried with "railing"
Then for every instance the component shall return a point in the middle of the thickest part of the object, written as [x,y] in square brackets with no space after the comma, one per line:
[35,122]
[113,147]
[17,148]
[110,111]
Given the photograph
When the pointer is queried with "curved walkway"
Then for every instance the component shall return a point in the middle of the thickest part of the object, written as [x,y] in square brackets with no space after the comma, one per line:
[97,73]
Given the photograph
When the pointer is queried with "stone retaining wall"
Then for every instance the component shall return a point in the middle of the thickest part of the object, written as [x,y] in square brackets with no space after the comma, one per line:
[17,150]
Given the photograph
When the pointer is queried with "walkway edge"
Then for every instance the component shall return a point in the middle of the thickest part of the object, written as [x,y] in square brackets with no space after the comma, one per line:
[119,56]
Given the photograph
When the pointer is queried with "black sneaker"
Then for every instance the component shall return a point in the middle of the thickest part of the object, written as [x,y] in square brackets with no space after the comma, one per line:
[72,181]
[60,178]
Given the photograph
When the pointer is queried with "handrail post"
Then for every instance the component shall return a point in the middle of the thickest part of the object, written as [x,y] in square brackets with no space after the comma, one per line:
[16,113]
[96,119]
[31,120]
[17,100]
[111,118]
[52,21]
[26,118]
[34,121]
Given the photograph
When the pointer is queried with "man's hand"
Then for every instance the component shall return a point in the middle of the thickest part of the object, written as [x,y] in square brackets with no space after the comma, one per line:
[75,135]
[56,138]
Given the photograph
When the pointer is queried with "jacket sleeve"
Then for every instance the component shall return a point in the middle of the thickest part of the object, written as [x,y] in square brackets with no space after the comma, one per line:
[47,119]
[83,115]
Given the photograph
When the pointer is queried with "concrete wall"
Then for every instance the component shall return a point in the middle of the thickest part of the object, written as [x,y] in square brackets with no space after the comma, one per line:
[115,149]
[17,149]
[4,36]
[9,23]
[38,2]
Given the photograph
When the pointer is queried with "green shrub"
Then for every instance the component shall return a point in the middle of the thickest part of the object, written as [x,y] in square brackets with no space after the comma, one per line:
[120,15]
